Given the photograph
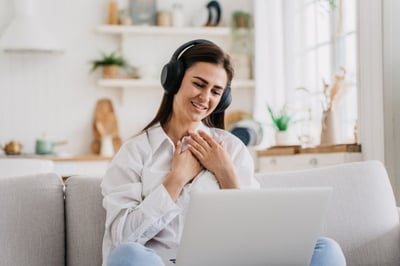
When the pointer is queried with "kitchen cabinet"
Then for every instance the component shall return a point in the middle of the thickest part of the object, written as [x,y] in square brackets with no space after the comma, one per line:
[296,158]
[276,163]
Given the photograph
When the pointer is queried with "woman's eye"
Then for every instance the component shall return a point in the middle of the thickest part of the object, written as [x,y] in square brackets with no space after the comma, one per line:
[217,92]
[200,85]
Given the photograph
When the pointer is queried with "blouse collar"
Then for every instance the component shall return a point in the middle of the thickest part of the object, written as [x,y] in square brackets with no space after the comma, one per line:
[157,135]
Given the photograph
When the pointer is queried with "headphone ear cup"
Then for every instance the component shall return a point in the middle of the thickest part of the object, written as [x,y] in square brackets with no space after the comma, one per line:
[171,76]
[225,101]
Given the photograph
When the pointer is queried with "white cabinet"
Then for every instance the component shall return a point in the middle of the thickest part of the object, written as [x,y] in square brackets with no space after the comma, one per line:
[275,163]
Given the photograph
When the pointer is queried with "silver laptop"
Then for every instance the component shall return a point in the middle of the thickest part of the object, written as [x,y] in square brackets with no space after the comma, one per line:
[253,227]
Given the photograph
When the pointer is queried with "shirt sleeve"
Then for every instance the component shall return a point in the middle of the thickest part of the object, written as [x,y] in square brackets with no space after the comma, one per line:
[129,216]
[243,162]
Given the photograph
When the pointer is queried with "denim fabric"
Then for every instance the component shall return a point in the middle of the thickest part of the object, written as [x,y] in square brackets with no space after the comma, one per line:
[133,254]
[327,252]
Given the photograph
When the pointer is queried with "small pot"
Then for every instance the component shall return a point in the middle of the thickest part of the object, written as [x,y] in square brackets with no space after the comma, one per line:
[43,147]
[13,148]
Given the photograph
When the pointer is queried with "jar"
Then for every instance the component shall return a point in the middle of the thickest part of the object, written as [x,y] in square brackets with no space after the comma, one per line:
[164,19]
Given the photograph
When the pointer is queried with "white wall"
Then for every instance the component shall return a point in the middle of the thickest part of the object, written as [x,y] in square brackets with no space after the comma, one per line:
[56,94]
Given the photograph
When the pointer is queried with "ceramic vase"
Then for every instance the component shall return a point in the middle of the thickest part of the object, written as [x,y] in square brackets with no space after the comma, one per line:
[106,149]
[329,128]
[282,138]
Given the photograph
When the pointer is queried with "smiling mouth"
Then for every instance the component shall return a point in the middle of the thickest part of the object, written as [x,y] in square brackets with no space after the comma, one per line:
[199,106]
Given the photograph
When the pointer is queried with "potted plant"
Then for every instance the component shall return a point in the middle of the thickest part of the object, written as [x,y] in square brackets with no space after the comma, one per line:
[281,123]
[241,19]
[110,64]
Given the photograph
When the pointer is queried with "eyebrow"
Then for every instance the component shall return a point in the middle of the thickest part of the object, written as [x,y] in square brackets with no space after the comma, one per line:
[205,81]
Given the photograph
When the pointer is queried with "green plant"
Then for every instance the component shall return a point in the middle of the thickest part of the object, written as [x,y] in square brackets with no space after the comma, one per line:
[241,19]
[280,121]
[331,3]
[109,59]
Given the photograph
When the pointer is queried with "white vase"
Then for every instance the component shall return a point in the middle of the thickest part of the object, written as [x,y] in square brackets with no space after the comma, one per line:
[107,148]
[283,138]
[329,128]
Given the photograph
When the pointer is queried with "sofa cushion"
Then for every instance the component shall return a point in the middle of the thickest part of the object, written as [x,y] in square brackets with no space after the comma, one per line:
[362,216]
[85,221]
[32,220]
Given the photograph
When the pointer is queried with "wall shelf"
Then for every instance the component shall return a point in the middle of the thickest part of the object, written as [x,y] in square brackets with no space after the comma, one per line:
[170,31]
[154,83]
[132,38]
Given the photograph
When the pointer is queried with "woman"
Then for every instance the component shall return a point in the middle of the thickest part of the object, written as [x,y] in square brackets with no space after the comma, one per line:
[184,148]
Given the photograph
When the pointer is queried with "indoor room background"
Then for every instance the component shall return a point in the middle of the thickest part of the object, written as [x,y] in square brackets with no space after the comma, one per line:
[54,96]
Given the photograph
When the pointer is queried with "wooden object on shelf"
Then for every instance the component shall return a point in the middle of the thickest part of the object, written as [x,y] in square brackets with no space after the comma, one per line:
[333,148]
[296,149]
[112,17]
[76,158]
[105,123]
[279,150]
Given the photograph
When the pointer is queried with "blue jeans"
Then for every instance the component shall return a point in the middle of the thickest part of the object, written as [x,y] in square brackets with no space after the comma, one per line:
[327,252]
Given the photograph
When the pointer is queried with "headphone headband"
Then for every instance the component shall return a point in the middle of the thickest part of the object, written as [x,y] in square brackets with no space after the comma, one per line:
[181,49]
[172,74]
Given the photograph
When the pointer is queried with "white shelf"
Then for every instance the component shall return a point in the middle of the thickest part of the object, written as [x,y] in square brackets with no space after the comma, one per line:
[150,83]
[155,30]
[128,83]
[126,34]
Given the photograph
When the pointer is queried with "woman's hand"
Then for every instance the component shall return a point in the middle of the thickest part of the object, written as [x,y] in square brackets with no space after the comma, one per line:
[213,156]
[184,168]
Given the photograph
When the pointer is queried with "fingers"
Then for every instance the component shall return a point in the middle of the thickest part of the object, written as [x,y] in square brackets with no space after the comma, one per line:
[207,138]
[222,143]
[203,139]
[198,141]
[196,152]
[178,147]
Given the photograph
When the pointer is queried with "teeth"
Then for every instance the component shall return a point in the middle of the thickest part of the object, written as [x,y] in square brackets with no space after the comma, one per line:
[199,106]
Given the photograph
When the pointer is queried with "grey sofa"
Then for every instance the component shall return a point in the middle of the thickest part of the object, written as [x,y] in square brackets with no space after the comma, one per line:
[43,222]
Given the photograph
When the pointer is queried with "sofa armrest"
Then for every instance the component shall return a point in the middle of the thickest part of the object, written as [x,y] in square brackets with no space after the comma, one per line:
[362,217]
[32,220]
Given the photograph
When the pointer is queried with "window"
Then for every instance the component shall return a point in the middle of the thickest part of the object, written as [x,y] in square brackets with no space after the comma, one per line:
[319,42]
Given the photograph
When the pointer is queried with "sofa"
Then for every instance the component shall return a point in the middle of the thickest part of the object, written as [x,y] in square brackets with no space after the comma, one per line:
[44,221]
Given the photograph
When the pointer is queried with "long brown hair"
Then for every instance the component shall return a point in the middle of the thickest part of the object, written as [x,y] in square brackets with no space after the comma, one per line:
[203,52]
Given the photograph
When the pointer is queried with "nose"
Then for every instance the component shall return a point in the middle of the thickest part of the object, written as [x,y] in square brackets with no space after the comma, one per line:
[204,95]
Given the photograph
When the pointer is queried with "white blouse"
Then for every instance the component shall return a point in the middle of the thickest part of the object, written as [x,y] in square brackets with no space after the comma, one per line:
[139,207]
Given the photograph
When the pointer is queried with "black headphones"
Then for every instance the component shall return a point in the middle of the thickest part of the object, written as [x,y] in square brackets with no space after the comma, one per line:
[172,74]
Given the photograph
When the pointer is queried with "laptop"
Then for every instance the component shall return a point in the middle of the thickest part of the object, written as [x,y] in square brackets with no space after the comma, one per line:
[253,227]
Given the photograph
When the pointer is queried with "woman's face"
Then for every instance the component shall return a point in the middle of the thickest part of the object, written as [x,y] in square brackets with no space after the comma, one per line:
[200,92]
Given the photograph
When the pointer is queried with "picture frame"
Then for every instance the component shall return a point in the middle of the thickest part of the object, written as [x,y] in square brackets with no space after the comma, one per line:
[143,12]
